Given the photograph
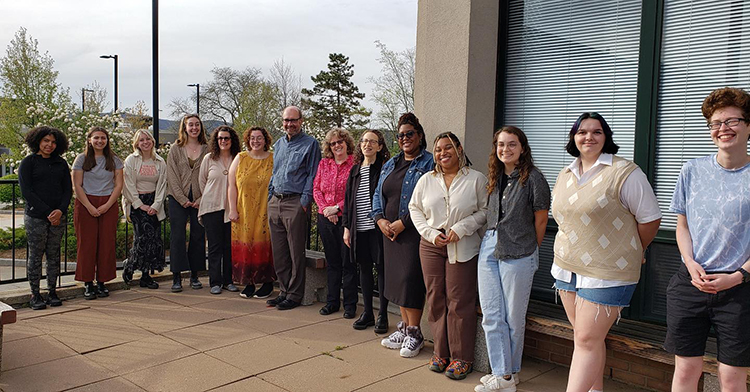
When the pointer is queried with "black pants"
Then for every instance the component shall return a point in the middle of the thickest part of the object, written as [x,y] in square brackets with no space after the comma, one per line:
[367,248]
[219,235]
[194,257]
[339,267]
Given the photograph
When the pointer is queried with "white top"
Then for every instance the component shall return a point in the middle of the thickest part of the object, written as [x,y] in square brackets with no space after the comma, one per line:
[130,189]
[462,208]
[213,181]
[636,195]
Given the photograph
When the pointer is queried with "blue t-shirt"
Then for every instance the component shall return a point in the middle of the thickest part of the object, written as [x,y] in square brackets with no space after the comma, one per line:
[716,203]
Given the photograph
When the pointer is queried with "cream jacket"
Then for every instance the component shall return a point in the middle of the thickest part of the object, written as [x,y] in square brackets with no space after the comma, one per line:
[130,194]
[462,208]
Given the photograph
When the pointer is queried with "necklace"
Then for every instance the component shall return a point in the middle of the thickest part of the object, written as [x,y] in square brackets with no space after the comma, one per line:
[223,163]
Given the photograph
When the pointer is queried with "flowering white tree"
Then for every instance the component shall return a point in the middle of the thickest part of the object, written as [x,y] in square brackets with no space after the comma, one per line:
[75,125]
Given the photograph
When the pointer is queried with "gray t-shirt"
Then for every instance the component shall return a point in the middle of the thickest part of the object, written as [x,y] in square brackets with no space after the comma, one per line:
[98,181]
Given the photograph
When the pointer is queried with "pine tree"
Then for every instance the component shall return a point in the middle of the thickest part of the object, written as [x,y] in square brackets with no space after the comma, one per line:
[335,100]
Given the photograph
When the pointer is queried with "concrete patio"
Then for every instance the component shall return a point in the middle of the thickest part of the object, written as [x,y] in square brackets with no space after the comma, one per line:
[154,340]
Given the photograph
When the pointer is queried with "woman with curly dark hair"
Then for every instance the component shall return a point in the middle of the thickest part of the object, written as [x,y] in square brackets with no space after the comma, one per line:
[44,178]
[519,200]
[361,234]
[404,284]
[97,180]
[213,213]
[249,175]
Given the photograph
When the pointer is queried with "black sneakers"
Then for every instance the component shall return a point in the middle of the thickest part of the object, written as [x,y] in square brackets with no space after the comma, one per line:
[89,290]
[37,302]
[53,299]
[264,291]
[248,291]
[101,290]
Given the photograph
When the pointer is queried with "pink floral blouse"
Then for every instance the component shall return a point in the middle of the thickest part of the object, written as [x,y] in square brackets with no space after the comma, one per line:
[329,186]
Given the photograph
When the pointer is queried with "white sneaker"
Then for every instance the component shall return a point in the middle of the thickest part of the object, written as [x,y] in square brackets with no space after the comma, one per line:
[396,339]
[413,343]
[487,377]
[496,384]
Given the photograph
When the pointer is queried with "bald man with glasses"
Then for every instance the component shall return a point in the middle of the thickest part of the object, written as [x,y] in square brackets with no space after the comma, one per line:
[295,162]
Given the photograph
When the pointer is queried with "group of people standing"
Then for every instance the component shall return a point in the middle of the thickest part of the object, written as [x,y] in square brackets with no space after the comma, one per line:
[436,233]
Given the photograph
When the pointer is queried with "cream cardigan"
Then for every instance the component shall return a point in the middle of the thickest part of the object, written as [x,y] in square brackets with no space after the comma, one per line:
[130,194]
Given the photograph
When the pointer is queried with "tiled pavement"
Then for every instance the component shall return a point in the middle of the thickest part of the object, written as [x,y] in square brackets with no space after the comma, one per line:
[154,340]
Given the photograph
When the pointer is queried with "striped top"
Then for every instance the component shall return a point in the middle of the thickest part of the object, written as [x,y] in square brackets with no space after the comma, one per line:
[363,201]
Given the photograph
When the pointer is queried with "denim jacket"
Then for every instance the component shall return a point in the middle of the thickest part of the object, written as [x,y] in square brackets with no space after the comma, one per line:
[420,165]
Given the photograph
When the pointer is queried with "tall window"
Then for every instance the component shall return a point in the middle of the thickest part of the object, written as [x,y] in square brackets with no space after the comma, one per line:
[569,57]
[705,45]
[565,58]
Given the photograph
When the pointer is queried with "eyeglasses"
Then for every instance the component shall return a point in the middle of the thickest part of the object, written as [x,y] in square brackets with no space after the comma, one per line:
[223,138]
[407,135]
[369,141]
[257,138]
[336,143]
[731,123]
[289,120]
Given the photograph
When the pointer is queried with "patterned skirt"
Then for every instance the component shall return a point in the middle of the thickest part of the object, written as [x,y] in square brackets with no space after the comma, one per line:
[148,251]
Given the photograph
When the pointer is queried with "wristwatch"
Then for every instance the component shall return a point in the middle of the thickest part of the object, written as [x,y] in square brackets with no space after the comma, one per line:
[745,274]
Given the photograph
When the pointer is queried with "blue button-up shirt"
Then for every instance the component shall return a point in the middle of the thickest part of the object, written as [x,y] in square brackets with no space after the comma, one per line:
[295,162]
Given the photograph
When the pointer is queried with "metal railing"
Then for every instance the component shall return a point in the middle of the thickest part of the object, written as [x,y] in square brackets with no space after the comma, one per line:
[66,268]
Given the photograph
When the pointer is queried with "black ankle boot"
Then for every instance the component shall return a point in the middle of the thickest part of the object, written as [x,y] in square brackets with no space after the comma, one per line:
[176,282]
[148,281]
[381,325]
[89,291]
[101,290]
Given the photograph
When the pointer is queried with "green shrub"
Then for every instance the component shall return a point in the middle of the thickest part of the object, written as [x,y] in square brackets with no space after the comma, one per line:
[6,238]
[6,190]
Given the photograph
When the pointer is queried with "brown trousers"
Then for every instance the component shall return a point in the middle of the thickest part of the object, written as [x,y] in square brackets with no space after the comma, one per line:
[95,238]
[451,302]
[287,222]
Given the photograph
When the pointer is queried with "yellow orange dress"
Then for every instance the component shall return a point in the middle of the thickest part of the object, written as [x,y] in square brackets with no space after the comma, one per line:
[252,261]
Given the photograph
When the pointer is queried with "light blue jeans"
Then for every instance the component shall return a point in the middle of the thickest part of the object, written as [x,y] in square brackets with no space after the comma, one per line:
[504,290]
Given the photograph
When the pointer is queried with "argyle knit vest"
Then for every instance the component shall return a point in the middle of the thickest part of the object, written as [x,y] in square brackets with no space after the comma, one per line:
[597,236]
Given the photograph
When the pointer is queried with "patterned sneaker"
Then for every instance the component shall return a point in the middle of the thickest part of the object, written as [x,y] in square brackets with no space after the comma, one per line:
[396,339]
[413,343]
[496,384]
[438,364]
[458,369]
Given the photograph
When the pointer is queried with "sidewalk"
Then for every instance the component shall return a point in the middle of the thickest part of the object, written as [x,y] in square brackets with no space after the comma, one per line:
[155,340]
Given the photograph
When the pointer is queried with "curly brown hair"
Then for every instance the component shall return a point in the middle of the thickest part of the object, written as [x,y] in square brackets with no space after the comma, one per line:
[213,142]
[383,154]
[496,167]
[344,135]
[726,97]
[248,133]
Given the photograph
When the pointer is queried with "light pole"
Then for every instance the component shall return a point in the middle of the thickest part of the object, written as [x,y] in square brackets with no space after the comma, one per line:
[197,97]
[83,98]
[107,56]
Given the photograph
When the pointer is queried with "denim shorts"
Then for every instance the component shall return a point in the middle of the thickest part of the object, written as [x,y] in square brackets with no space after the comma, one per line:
[610,296]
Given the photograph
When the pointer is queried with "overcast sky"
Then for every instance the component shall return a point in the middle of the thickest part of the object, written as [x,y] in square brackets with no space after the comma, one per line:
[196,36]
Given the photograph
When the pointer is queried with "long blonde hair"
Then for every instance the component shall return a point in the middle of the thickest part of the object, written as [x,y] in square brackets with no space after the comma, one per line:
[182,136]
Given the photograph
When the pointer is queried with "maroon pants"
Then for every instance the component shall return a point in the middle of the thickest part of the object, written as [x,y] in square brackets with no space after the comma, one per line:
[95,237]
[451,300]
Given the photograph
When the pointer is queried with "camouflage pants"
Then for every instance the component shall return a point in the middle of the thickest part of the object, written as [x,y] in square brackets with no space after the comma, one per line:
[43,238]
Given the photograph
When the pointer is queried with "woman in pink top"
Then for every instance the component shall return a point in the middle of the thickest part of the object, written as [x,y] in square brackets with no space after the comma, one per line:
[329,189]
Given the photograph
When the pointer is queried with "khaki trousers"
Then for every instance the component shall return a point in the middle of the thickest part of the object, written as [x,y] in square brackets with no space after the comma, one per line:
[287,222]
